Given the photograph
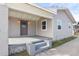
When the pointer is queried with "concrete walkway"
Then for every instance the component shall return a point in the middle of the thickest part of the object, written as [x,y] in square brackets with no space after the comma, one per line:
[68,49]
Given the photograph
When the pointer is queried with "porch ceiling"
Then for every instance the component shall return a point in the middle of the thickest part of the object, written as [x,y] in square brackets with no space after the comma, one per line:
[22,15]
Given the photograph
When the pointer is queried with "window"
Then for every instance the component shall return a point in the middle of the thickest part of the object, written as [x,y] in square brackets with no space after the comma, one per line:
[69,25]
[44,25]
[59,24]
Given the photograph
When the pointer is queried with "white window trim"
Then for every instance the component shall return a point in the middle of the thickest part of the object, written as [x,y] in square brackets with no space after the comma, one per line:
[46,25]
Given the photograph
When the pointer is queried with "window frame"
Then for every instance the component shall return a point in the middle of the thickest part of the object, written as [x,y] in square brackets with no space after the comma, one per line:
[42,25]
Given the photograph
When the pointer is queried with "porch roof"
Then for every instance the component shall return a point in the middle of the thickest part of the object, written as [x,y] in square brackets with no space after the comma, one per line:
[30,9]
[22,16]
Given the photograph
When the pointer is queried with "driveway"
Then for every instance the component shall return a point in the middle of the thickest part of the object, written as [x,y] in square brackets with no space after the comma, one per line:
[68,49]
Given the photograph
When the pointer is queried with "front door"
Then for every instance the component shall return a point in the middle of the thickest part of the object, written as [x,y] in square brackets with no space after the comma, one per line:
[24,27]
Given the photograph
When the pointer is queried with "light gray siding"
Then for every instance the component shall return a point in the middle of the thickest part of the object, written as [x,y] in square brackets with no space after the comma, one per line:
[31,28]
[14,27]
[66,23]
[48,32]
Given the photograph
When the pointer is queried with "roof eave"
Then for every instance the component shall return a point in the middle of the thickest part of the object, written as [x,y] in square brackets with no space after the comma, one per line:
[71,16]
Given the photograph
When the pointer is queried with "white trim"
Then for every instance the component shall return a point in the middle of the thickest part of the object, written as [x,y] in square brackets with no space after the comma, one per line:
[46,25]
[36,26]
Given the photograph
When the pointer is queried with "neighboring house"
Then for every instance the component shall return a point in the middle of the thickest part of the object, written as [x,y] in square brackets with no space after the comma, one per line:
[31,20]
[76,28]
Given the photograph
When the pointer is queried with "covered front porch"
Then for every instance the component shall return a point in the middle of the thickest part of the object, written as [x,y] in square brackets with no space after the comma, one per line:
[25,30]
[27,24]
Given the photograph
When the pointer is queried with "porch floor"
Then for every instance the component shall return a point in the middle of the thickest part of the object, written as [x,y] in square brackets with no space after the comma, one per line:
[27,39]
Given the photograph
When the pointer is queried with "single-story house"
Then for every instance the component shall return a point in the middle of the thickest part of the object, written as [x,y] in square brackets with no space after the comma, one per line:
[24,19]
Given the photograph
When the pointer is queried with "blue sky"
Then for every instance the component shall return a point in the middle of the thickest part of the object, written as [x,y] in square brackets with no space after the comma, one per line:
[73,7]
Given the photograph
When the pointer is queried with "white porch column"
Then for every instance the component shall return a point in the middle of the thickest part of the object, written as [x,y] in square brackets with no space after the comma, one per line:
[3,30]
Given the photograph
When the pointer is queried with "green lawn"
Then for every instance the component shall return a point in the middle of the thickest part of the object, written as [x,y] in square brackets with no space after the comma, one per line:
[60,42]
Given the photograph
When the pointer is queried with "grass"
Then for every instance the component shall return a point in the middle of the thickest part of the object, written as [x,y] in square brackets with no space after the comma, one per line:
[60,42]
[22,53]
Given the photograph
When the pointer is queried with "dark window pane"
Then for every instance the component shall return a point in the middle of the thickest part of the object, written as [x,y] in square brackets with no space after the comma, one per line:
[43,27]
[23,26]
[59,27]
[44,23]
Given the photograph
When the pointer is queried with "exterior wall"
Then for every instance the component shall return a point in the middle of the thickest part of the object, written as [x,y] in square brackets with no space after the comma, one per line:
[65,30]
[3,30]
[14,28]
[48,32]
[31,28]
